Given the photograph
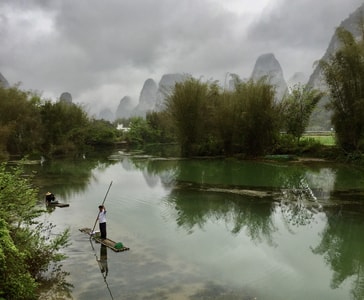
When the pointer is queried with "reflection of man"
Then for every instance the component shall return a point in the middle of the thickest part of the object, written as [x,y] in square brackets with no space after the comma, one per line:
[103,260]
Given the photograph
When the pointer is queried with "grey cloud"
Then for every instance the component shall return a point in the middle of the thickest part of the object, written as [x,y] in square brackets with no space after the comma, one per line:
[292,28]
[302,23]
[109,48]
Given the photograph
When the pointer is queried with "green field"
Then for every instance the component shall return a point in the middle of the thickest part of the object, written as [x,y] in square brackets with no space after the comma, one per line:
[327,140]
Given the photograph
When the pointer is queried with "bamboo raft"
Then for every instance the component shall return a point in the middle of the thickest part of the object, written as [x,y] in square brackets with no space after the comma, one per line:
[107,242]
[58,204]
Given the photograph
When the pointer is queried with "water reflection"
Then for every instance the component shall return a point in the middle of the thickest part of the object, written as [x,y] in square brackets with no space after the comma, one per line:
[342,249]
[274,205]
[299,193]
[50,208]
[195,208]
[103,265]
[68,176]
[103,261]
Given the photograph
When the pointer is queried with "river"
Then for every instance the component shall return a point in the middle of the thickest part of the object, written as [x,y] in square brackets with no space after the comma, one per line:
[210,228]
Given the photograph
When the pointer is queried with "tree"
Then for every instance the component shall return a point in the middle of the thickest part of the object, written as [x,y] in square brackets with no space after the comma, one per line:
[20,123]
[16,282]
[27,249]
[228,114]
[208,122]
[259,116]
[297,108]
[140,132]
[161,124]
[187,108]
[99,132]
[344,75]
[64,127]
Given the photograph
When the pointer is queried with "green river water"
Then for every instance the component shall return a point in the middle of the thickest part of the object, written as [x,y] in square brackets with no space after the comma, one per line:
[210,228]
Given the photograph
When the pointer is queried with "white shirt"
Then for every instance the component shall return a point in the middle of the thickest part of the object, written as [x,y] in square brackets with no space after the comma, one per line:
[102,216]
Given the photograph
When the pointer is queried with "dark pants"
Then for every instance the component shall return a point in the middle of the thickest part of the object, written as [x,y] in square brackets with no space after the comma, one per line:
[103,230]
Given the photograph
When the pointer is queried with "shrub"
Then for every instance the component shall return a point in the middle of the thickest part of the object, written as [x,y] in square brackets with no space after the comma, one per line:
[26,247]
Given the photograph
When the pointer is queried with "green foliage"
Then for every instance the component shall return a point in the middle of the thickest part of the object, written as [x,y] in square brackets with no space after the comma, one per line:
[100,132]
[314,146]
[26,247]
[63,124]
[286,144]
[208,122]
[30,125]
[309,146]
[228,118]
[20,123]
[186,106]
[140,132]
[297,108]
[260,116]
[17,199]
[161,124]
[15,281]
[192,109]
[344,75]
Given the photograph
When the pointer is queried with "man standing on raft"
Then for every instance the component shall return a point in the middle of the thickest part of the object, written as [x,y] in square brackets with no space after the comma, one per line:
[102,221]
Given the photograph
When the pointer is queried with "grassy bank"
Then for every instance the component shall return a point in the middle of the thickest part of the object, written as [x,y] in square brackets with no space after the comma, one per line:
[324,138]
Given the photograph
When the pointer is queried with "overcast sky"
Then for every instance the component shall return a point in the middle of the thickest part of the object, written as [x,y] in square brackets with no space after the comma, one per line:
[101,51]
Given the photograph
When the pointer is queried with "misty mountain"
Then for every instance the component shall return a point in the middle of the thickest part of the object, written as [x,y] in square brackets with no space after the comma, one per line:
[124,108]
[321,117]
[165,87]
[66,98]
[151,97]
[147,98]
[106,114]
[3,82]
[351,24]
[267,65]
[298,78]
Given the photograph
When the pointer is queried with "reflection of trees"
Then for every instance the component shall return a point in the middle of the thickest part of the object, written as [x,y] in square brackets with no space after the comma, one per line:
[297,204]
[342,239]
[304,191]
[52,174]
[256,216]
[206,190]
[300,190]
[165,170]
[195,208]
[349,185]
[342,249]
